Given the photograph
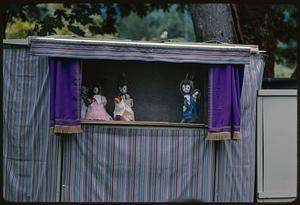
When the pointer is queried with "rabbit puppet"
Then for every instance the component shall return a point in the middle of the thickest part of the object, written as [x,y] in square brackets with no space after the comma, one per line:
[123,102]
[190,107]
[97,108]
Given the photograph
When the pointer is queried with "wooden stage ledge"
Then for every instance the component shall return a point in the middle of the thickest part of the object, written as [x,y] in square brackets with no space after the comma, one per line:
[144,123]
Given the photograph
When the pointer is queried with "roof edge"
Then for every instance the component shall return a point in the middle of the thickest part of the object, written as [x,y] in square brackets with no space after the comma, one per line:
[21,42]
[72,39]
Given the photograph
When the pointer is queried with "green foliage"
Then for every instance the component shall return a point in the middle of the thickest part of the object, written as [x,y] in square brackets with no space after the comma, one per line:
[64,31]
[131,21]
[178,25]
[30,12]
[282,71]
[51,17]
[285,24]
[76,17]
[138,21]
[133,27]
[283,28]
[20,29]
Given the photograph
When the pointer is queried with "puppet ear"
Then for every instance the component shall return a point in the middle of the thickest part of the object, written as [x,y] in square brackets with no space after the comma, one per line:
[122,80]
[123,76]
[192,76]
[187,76]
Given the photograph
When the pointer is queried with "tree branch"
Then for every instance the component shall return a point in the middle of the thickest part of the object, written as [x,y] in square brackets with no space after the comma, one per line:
[237,23]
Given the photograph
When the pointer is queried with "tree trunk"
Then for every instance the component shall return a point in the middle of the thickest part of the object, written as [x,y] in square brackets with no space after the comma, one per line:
[221,22]
[4,20]
[213,22]
[6,16]
[295,73]
[258,19]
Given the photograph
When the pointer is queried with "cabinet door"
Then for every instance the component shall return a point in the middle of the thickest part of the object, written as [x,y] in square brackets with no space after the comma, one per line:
[277,148]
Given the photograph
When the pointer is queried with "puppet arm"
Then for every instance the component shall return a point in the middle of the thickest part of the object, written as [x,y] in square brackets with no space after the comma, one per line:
[196,94]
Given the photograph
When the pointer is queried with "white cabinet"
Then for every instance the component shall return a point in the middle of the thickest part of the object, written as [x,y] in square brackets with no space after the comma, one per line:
[276,145]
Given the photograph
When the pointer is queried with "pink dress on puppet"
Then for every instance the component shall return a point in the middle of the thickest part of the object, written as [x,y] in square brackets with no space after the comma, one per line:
[96,110]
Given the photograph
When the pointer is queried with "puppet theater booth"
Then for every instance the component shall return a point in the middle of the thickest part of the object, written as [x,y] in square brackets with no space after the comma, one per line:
[155,158]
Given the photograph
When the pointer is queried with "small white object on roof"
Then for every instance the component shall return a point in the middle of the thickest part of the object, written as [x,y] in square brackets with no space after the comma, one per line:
[164,35]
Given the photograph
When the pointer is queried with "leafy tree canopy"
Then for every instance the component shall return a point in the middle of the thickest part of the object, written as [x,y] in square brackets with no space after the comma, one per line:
[139,22]
[285,25]
[73,15]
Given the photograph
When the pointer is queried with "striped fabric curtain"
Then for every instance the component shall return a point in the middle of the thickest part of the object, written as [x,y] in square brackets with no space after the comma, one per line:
[132,164]
[235,181]
[30,153]
[65,80]
[109,163]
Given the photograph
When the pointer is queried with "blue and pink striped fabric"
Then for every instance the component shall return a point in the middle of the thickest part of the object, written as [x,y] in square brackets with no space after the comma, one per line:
[83,48]
[235,168]
[109,163]
[122,164]
[30,153]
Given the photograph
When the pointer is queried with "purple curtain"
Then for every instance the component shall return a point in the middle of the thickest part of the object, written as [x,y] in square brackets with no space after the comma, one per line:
[65,80]
[224,91]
